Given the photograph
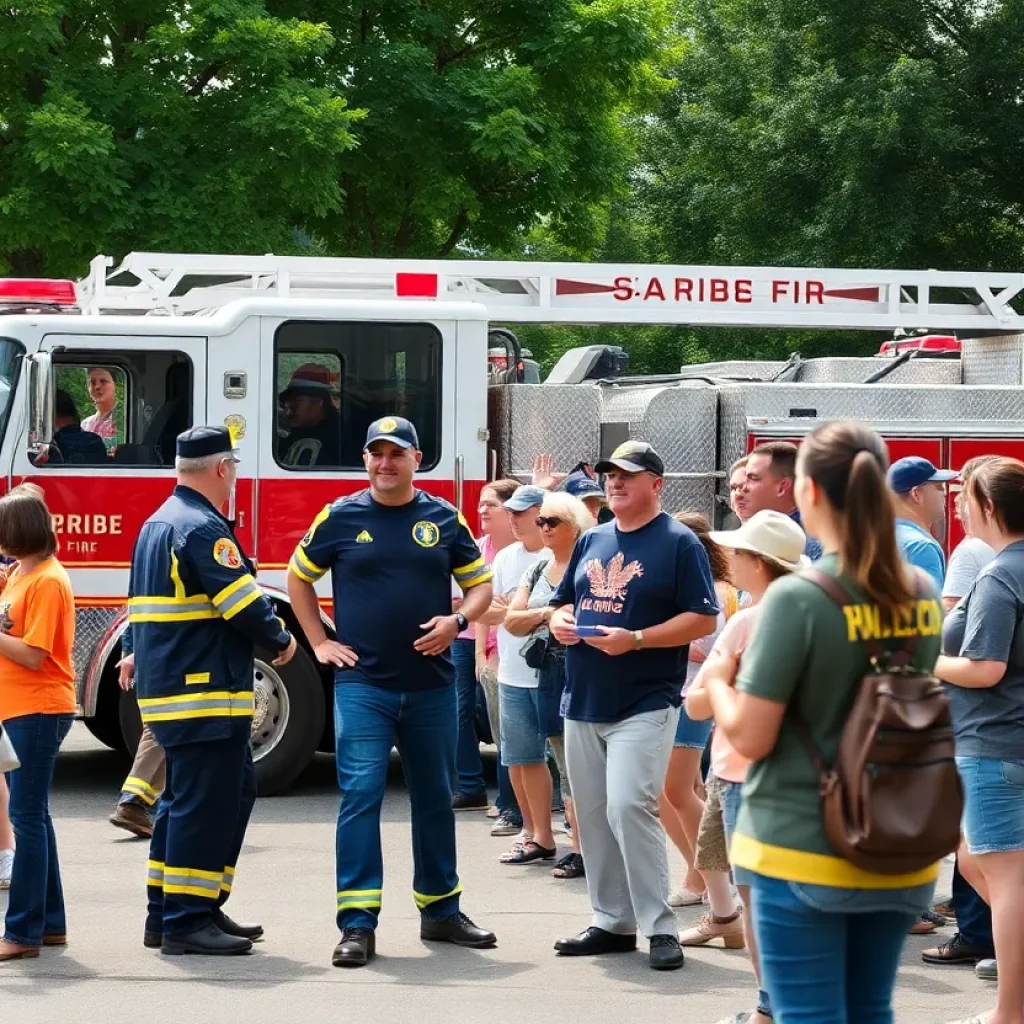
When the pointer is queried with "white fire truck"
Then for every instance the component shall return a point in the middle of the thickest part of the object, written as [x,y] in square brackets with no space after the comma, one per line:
[196,338]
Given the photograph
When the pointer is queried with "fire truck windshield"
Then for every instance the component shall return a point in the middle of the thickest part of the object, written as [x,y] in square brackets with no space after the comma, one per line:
[10,364]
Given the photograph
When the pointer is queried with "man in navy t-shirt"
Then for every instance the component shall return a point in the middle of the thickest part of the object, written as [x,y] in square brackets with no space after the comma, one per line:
[636,592]
[392,551]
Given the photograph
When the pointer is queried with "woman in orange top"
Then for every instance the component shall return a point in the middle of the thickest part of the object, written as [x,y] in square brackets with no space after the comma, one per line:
[37,707]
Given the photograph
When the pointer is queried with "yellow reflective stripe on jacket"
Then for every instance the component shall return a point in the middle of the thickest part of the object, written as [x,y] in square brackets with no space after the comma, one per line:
[482,574]
[305,569]
[170,609]
[238,595]
[140,788]
[193,882]
[468,570]
[423,901]
[216,704]
[179,587]
[197,678]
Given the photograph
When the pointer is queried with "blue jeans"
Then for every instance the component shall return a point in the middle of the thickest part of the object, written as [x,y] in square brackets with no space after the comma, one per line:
[468,766]
[36,906]
[973,914]
[368,722]
[830,955]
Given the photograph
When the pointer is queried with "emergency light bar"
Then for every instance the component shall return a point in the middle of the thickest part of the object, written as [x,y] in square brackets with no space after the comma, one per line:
[29,291]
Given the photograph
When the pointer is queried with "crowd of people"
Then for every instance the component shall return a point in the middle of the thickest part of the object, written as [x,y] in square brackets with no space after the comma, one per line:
[648,676]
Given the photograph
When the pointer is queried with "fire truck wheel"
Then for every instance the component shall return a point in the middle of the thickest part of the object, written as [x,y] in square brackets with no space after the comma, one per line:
[288,720]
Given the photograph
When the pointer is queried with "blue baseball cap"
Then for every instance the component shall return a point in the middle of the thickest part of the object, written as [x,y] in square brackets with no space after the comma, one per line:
[394,429]
[906,474]
[526,497]
[579,485]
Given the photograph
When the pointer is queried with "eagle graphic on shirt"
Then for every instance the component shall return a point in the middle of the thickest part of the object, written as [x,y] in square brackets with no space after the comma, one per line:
[612,580]
[6,622]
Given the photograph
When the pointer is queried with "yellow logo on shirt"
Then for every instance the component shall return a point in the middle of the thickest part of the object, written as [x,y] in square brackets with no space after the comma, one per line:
[866,621]
[363,537]
[226,553]
[426,534]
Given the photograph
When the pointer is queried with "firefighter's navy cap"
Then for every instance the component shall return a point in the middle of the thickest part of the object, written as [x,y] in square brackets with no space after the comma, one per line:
[633,457]
[199,442]
[394,429]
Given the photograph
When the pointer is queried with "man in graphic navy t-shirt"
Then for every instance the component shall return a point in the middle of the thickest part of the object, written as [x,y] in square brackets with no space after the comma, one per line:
[636,592]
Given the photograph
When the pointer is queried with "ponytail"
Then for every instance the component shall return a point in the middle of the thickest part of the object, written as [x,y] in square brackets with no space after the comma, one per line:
[848,461]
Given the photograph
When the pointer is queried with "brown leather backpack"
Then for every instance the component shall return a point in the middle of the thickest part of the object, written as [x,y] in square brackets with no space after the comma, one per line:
[892,800]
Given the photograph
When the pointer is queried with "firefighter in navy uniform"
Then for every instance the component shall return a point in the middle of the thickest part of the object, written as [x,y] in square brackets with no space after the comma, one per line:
[196,613]
[392,551]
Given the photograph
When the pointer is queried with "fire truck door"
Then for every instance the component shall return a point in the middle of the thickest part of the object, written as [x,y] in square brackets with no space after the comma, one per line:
[960,450]
[132,395]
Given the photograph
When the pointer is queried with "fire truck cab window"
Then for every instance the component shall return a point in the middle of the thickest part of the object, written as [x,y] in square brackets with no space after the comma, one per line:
[121,408]
[334,379]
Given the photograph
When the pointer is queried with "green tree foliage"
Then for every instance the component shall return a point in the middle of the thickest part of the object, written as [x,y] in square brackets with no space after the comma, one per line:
[387,128]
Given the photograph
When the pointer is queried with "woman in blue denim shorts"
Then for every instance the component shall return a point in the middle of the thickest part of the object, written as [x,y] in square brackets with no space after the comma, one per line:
[983,645]
[680,807]
[829,933]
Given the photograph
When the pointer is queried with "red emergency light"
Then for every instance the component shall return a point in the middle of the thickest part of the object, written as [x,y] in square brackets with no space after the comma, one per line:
[26,291]
[416,286]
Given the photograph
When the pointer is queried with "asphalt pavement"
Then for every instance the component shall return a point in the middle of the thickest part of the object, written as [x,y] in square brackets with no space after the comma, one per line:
[286,881]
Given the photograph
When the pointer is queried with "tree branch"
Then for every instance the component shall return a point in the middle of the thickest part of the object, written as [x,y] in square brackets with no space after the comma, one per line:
[203,80]
[459,227]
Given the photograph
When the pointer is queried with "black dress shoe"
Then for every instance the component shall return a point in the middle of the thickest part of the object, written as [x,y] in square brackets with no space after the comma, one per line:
[152,940]
[356,947]
[958,952]
[458,929]
[252,932]
[594,942]
[666,953]
[208,941]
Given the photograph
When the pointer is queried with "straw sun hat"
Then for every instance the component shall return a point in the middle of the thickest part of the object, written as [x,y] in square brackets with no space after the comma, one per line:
[772,535]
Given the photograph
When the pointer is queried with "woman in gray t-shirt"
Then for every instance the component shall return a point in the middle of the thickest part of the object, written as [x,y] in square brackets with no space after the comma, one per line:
[983,663]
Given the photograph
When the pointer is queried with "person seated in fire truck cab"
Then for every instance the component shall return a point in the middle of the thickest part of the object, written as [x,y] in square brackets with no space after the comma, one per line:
[315,426]
[770,475]
[104,395]
[72,442]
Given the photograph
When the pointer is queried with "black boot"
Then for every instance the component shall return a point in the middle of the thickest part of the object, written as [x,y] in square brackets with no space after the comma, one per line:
[208,941]
[253,932]
[356,947]
[666,953]
[457,929]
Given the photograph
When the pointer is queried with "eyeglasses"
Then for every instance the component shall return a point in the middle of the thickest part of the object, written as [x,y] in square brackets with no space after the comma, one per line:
[549,522]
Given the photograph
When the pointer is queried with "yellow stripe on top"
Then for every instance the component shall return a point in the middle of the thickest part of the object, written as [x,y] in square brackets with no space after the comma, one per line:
[179,587]
[817,868]
[474,577]
[468,570]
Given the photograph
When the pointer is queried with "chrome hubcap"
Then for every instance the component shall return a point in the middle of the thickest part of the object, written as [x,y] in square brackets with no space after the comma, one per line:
[270,712]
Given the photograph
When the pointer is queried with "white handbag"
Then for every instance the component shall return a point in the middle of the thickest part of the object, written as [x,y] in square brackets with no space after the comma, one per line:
[8,758]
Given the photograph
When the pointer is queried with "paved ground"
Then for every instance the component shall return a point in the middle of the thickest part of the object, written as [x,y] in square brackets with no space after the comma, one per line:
[286,881]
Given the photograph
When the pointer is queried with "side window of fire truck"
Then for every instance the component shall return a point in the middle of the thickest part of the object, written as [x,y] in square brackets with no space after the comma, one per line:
[134,404]
[334,379]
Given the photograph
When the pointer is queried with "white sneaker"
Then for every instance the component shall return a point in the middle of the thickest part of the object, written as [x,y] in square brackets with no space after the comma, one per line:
[6,867]
[987,970]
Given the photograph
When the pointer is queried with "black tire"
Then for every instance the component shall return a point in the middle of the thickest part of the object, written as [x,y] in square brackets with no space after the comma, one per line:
[131,721]
[107,730]
[282,765]
[105,725]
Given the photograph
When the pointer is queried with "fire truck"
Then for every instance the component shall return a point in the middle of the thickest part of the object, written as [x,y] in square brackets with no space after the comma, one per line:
[189,339]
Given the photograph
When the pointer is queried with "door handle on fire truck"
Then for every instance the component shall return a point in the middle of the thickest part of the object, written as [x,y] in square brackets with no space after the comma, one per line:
[460,473]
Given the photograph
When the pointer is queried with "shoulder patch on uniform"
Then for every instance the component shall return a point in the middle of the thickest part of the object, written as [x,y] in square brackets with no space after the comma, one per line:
[426,533]
[226,553]
[363,537]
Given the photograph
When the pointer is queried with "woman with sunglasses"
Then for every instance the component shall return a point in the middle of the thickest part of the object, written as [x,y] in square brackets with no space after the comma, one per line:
[561,520]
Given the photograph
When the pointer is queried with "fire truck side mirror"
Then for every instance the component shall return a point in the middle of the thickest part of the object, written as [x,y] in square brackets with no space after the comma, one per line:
[40,403]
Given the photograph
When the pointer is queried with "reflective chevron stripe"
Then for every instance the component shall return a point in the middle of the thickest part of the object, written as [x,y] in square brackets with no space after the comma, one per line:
[193,882]
[240,594]
[217,704]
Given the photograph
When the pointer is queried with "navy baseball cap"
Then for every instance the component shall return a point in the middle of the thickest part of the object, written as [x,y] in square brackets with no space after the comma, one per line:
[906,474]
[199,442]
[633,457]
[579,485]
[394,429]
[526,497]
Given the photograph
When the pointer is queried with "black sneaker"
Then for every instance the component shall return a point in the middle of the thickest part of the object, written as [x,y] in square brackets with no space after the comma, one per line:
[470,802]
[666,953]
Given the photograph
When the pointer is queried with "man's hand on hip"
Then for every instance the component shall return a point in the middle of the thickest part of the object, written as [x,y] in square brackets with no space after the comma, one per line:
[441,631]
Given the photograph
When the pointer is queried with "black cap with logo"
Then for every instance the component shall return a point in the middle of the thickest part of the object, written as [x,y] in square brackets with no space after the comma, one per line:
[633,457]
[199,442]
[394,429]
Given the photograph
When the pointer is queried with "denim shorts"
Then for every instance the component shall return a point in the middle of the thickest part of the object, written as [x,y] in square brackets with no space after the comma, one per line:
[692,734]
[993,819]
[731,795]
[522,741]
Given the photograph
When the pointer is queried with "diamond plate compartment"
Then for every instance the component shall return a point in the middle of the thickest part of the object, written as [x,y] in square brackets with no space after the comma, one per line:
[91,625]
[680,421]
[994,360]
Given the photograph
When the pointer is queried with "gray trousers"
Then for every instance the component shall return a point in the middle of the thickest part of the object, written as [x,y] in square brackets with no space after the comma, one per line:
[617,770]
